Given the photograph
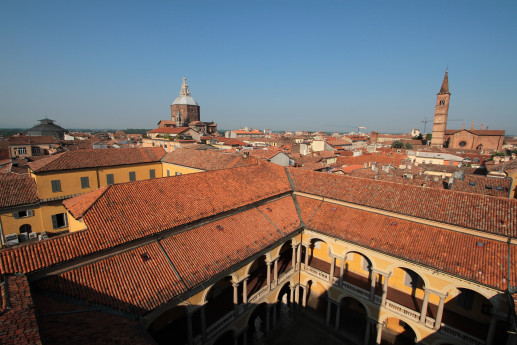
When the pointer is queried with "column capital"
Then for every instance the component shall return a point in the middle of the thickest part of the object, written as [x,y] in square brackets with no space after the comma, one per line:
[275,258]
[381,272]
[269,263]
[435,292]
[243,279]
[235,284]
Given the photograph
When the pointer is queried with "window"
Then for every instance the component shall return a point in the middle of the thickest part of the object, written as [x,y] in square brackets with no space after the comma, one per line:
[442,102]
[462,143]
[132,176]
[178,173]
[499,188]
[473,184]
[168,172]
[20,151]
[366,265]
[152,173]
[110,179]
[489,187]
[36,150]
[59,221]
[56,186]
[25,229]
[23,214]
[411,279]
[85,182]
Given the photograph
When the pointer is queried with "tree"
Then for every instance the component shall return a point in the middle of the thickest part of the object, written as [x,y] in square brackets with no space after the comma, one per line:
[409,146]
[428,136]
[397,144]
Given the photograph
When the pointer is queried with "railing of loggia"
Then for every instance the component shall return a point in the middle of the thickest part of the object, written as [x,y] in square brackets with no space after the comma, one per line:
[318,273]
[263,291]
[400,309]
[220,324]
[356,290]
[456,333]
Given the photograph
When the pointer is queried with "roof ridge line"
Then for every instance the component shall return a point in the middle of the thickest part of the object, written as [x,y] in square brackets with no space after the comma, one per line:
[272,223]
[96,199]
[295,200]
[172,264]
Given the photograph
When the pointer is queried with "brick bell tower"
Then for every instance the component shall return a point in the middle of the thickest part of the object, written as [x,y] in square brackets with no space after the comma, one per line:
[441,112]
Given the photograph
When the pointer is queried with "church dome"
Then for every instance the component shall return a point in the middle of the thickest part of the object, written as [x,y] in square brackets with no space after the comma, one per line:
[47,128]
[184,97]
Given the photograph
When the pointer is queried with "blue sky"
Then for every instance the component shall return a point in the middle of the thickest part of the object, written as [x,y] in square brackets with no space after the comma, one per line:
[307,65]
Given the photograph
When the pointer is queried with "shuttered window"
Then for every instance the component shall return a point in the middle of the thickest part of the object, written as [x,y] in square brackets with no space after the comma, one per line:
[23,214]
[85,182]
[152,173]
[132,176]
[110,179]
[56,186]
[59,221]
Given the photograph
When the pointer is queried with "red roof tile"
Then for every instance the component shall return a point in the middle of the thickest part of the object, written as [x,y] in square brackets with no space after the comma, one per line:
[97,158]
[206,159]
[18,323]
[453,252]
[484,213]
[17,190]
[169,130]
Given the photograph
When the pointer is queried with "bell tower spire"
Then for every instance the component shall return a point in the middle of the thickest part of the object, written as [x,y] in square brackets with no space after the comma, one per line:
[184,88]
[441,112]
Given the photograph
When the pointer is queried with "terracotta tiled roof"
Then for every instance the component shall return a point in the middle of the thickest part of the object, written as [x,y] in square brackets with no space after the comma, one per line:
[18,323]
[126,212]
[235,142]
[128,282]
[255,131]
[97,158]
[263,154]
[483,185]
[142,279]
[28,140]
[79,205]
[17,190]
[63,322]
[169,130]
[206,159]
[453,252]
[392,158]
[484,213]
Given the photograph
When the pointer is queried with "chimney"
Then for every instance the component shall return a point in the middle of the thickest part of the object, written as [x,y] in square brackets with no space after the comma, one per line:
[481,126]
[472,124]
[463,125]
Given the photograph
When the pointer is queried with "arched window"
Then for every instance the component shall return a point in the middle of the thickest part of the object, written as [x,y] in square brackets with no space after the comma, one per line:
[442,102]
[25,228]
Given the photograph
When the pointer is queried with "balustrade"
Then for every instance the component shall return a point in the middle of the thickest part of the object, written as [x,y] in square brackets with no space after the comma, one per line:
[400,309]
[220,324]
[456,333]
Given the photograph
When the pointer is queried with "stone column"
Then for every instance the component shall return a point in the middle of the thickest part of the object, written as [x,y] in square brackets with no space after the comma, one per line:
[190,335]
[439,313]
[273,308]
[385,290]
[338,312]
[341,271]
[491,329]
[203,322]
[293,259]
[268,263]
[245,291]
[299,256]
[423,312]
[304,300]
[268,313]
[307,247]
[373,281]
[235,297]
[292,295]
[275,272]
[329,306]
[297,294]
[332,268]
[379,334]
[368,330]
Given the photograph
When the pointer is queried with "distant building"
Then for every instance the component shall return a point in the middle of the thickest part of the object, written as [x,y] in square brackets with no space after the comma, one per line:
[460,138]
[47,128]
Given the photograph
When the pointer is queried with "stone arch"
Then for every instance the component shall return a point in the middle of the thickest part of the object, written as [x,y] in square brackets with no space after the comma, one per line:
[171,323]
[257,275]
[317,297]
[348,295]
[464,286]
[369,259]
[218,300]
[285,257]
[263,257]
[225,337]
[404,327]
[25,228]
[276,294]
[353,317]
[417,270]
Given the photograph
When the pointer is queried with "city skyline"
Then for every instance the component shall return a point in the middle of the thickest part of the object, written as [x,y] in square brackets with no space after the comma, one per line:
[329,66]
